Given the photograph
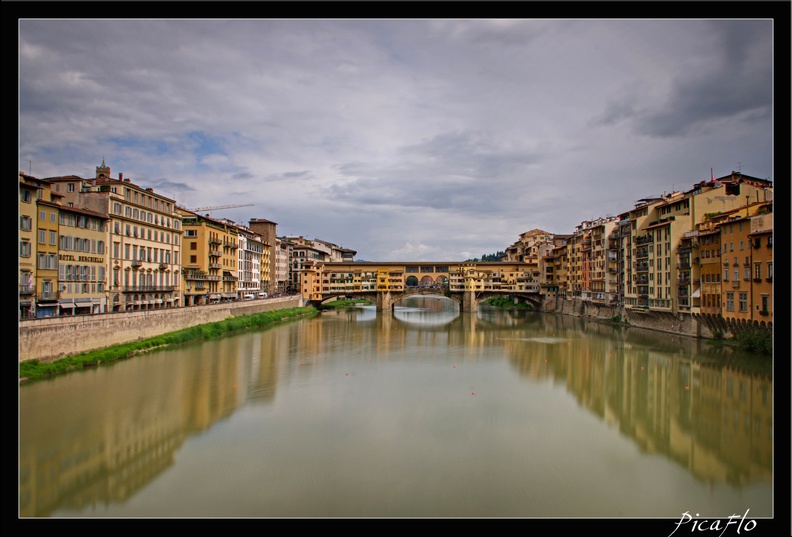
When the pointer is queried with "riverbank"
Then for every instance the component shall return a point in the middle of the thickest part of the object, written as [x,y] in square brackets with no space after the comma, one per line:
[35,370]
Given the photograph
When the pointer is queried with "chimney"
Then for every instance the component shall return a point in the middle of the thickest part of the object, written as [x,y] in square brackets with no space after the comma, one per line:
[120,176]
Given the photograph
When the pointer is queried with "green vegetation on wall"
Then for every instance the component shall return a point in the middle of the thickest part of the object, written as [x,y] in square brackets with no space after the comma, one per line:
[507,302]
[33,369]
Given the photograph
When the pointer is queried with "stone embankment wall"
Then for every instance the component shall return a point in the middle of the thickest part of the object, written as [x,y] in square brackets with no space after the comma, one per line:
[56,337]
[693,325]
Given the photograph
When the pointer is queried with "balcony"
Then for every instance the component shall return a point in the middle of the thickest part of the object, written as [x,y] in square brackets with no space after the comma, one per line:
[148,288]
[683,266]
[735,284]
[215,253]
[642,267]
[213,240]
[137,263]
[27,289]
[683,282]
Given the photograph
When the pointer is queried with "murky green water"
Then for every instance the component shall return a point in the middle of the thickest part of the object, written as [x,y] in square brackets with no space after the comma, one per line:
[423,412]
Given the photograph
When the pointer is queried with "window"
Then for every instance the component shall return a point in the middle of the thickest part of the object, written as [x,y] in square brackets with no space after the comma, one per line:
[725,275]
[53,238]
[42,236]
[758,271]
[730,301]
[26,196]
[741,242]
[770,241]
[736,274]
[731,246]
[24,249]
[193,259]
[770,271]
[747,273]
[193,245]
[25,223]
[743,301]
[765,303]
[70,187]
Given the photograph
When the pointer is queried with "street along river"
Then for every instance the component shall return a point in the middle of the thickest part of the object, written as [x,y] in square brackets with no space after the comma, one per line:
[420,412]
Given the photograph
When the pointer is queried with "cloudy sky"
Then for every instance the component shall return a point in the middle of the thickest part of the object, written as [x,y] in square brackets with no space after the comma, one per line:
[411,140]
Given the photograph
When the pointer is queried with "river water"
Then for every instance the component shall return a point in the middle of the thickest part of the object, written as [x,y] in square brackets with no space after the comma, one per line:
[420,412]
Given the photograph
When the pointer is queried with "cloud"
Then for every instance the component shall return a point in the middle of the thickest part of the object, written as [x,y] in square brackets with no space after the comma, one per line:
[400,137]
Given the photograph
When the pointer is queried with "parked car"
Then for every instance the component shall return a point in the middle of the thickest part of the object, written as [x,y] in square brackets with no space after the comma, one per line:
[248,297]
[262,295]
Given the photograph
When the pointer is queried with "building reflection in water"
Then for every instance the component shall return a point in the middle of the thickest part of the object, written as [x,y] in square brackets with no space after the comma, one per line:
[99,436]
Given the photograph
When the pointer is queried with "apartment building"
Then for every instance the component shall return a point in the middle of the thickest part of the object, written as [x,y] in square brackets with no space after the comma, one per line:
[602,290]
[662,246]
[267,230]
[251,251]
[82,261]
[144,238]
[29,189]
[209,263]
[305,254]
[283,253]
[761,240]
[63,254]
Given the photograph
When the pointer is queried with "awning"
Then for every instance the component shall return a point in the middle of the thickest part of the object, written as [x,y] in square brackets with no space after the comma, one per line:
[696,294]
[67,305]
[158,301]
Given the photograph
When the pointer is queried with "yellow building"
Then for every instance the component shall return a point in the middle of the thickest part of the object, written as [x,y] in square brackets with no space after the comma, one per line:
[209,262]
[761,238]
[270,282]
[82,261]
[47,210]
[29,188]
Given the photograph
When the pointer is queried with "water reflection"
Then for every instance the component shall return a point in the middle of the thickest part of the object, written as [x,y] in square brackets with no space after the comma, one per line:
[95,443]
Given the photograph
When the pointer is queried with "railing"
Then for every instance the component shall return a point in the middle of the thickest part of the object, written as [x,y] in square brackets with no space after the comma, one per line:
[27,289]
[149,288]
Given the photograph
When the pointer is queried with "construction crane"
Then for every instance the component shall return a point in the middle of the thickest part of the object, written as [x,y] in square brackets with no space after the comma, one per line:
[218,207]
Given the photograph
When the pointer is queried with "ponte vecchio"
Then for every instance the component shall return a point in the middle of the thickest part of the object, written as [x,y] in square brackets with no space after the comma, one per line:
[385,283]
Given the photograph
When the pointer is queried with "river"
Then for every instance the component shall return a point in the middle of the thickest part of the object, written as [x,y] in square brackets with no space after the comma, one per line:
[420,412]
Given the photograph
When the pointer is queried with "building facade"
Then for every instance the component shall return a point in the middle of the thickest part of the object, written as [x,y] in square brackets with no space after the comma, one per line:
[144,256]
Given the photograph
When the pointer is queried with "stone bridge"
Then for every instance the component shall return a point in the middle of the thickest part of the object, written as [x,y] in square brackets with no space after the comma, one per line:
[386,283]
